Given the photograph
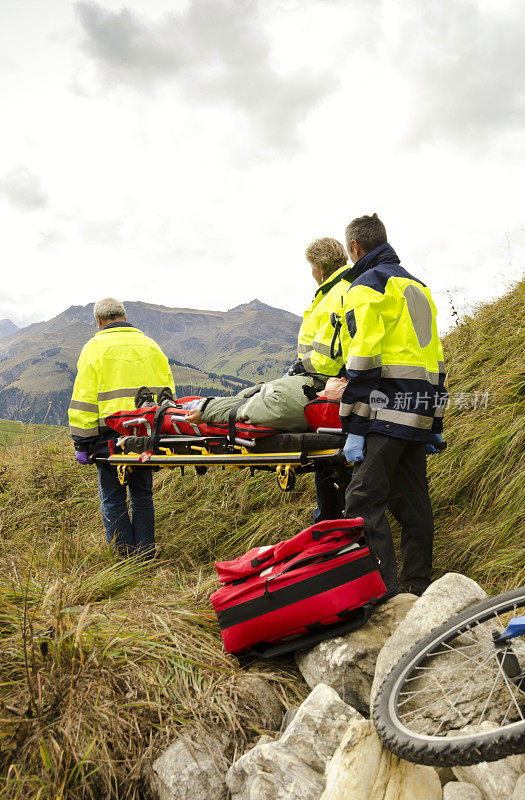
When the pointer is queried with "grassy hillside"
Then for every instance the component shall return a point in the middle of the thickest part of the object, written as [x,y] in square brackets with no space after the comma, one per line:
[18,433]
[478,484]
[102,662]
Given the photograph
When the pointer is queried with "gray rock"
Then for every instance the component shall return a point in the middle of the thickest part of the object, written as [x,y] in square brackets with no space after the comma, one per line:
[265,739]
[192,769]
[496,780]
[258,695]
[293,767]
[458,790]
[519,789]
[288,717]
[347,663]
[362,769]
[444,598]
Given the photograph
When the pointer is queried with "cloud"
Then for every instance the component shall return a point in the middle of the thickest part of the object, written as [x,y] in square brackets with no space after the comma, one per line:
[23,189]
[463,64]
[218,52]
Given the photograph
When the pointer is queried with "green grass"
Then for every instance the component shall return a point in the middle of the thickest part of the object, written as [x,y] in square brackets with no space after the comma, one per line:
[103,662]
[478,483]
[19,433]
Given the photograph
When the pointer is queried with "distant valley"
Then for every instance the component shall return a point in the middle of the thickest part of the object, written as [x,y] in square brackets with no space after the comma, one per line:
[210,352]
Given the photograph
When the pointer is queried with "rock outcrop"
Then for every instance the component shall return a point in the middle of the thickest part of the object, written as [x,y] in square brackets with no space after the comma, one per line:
[327,750]
[192,768]
[496,780]
[347,663]
[258,694]
[293,767]
[362,769]
[449,595]
[458,790]
[519,789]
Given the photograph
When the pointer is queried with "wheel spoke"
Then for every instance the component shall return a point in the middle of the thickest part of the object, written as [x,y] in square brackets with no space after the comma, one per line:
[505,678]
[488,701]
[450,699]
[468,658]
[443,691]
[467,681]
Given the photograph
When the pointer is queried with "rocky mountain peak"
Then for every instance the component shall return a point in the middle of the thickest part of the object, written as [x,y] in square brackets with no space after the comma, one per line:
[7,327]
[257,306]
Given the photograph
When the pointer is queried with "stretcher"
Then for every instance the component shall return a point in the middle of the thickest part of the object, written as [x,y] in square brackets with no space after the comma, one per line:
[240,447]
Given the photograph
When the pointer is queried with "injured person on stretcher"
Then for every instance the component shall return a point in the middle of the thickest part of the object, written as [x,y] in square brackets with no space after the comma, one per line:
[275,404]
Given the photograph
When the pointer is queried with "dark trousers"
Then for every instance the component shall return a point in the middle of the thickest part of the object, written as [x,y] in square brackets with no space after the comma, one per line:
[130,533]
[330,487]
[394,474]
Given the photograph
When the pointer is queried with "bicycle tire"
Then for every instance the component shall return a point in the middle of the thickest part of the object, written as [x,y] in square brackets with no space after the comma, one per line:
[461,749]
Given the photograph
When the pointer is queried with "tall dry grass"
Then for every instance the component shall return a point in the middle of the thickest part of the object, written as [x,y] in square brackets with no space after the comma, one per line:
[102,663]
[478,484]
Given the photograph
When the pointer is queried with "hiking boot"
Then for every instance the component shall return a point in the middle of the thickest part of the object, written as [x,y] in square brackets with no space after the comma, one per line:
[144,397]
[164,394]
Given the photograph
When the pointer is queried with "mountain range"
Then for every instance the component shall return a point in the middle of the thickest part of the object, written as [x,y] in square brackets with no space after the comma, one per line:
[210,352]
[7,328]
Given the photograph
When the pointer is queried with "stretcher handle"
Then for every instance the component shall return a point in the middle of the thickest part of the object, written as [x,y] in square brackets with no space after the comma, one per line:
[204,439]
[334,431]
[179,417]
[136,422]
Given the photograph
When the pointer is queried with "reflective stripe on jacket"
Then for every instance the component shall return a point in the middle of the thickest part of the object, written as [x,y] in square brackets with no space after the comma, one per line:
[318,340]
[393,355]
[116,362]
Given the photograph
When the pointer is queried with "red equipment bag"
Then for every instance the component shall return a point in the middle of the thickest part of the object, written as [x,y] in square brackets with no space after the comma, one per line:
[172,423]
[321,583]
[322,413]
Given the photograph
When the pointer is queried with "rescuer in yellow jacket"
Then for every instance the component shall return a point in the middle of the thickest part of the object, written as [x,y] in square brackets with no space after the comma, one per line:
[319,352]
[316,346]
[113,366]
[392,407]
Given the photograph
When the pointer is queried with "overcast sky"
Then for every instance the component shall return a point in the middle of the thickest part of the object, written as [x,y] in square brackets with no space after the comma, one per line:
[186,152]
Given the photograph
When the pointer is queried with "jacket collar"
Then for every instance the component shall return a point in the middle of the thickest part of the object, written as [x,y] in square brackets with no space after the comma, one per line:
[385,253]
[113,325]
[340,274]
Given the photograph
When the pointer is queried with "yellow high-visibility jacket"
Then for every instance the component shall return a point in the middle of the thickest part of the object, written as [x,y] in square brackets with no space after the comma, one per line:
[316,346]
[393,355]
[116,362]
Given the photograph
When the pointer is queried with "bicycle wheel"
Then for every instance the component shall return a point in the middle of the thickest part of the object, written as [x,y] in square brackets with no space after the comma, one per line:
[450,701]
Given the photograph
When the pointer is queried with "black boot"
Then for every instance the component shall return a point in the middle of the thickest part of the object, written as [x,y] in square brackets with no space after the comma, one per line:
[144,397]
[164,394]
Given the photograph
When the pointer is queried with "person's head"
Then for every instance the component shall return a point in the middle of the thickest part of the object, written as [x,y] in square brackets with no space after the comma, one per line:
[364,234]
[334,388]
[109,310]
[325,256]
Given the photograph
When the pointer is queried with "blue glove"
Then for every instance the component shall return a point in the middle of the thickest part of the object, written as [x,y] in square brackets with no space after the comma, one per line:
[353,448]
[81,457]
[435,445]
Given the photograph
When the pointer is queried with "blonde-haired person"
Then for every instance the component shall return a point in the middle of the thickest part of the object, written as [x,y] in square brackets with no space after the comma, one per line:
[318,350]
[327,259]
